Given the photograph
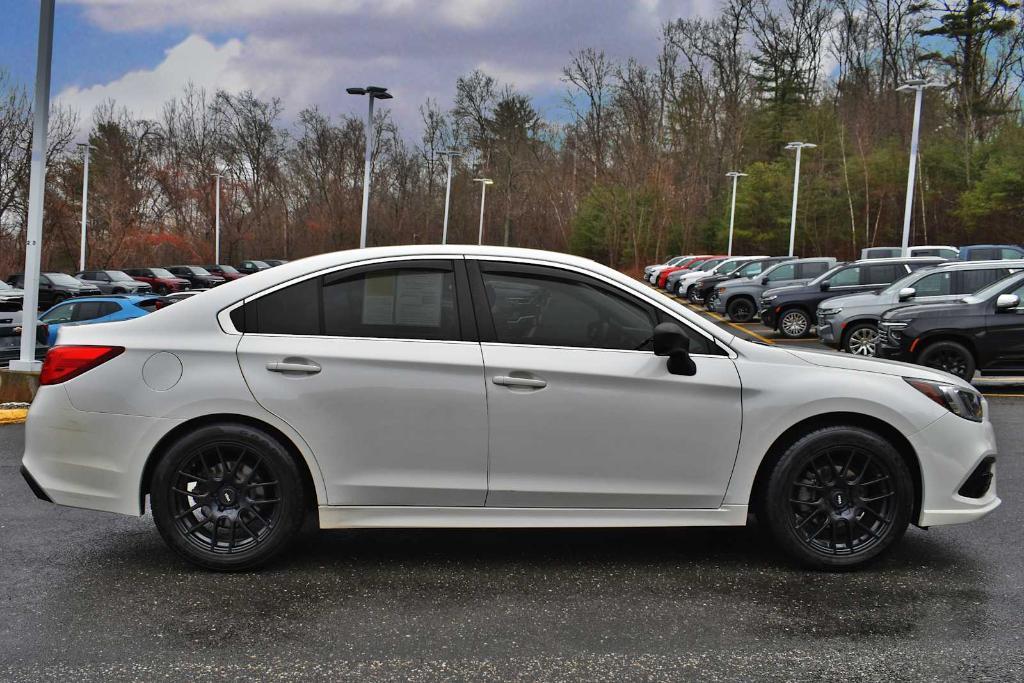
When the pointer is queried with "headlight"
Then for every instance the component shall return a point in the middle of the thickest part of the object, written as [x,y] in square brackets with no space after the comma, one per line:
[826,312]
[720,290]
[965,403]
[772,297]
[894,331]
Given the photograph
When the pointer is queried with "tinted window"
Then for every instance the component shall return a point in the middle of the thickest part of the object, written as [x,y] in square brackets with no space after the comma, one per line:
[291,310]
[812,269]
[883,274]
[973,280]
[846,277]
[549,310]
[107,307]
[786,272]
[395,303]
[936,284]
[61,314]
[750,269]
[1010,253]
[984,254]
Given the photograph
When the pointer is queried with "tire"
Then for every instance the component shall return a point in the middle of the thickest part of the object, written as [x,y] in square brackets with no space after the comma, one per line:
[949,356]
[741,310]
[794,323]
[838,498]
[207,508]
[162,290]
[118,290]
[860,339]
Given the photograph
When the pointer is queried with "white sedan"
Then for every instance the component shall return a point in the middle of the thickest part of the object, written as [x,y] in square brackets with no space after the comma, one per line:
[485,387]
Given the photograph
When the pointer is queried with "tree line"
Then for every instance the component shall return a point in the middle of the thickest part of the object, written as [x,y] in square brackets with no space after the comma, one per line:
[631,170]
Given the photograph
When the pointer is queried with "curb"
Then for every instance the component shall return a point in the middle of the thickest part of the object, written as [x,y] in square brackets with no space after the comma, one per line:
[13,417]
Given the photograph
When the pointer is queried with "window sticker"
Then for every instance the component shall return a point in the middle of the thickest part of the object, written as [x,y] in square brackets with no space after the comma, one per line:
[418,299]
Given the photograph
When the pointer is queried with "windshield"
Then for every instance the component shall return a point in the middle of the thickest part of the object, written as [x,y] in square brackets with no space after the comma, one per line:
[260,264]
[994,288]
[196,270]
[228,269]
[62,279]
[907,280]
[827,274]
[118,276]
[709,264]
[161,272]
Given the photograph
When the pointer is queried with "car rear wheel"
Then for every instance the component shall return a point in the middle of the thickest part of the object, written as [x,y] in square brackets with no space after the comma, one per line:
[740,310]
[861,339]
[794,323]
[227,497]
[950,357]
[838,498]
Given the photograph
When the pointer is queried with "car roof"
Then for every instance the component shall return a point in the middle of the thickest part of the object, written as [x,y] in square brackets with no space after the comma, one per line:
[130,298]
[899,259]
[981,265]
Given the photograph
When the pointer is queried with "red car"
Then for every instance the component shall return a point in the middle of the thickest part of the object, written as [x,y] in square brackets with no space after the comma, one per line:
[161,279]
[692,263]
[225,271]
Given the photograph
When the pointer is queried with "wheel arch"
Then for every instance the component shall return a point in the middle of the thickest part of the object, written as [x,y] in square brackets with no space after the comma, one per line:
[850,324]
[309,487]
[809,424]
[946,336]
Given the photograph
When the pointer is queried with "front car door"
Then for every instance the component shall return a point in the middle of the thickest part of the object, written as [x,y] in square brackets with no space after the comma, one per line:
[582,413]
[1001,350]
[378,368]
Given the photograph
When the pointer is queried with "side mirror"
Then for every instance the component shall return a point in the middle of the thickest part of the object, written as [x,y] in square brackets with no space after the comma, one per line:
[825,286]
[765,280]
[1004,302]
[670,340]
[907,293]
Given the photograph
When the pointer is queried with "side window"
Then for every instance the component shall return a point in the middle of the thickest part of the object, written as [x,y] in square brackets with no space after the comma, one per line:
[984,254]
[102,277]
[811,270]
[393,303]
[936,284]
[786,272]
[846,278]
[1011,253]
[61,314]
[883,274]
[751,269]
[87,310]
[973,280]
[106,308]
[291,310]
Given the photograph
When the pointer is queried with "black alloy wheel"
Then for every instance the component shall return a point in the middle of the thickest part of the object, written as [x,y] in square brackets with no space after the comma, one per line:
[839,497]
[950,357]
[227,497]
[740,310]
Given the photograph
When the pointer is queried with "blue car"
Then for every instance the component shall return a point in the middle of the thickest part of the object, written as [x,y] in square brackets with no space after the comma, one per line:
[97,309]
[991,252]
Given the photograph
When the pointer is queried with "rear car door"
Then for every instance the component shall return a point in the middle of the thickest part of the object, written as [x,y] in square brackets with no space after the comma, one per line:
[1002,345]
[377,367]
[581,411]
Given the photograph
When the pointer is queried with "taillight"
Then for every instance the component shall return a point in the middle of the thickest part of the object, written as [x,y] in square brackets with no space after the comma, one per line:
[66,362]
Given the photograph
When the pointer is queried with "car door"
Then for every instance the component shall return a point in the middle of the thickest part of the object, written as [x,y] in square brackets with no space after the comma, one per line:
[378,368]
[1002,346]
[581,411]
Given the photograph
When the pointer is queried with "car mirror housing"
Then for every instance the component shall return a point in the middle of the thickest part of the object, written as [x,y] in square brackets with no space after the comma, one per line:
[825,286]
[1004,302]
[670,340]
[765,280]
[907,293]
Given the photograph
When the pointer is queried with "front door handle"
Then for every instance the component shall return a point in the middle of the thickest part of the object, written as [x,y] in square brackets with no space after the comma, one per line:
[285,366]
[505,381]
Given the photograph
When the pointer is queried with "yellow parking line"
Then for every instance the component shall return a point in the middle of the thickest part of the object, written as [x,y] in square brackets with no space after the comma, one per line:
[13,417]
[750,332]
[1003,395]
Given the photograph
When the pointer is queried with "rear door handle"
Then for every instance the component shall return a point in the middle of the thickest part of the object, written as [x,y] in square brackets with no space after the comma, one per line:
[505,381]
[283,366]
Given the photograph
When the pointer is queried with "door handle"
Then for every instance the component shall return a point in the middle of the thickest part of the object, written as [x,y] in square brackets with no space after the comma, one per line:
[284,366]
[505,381]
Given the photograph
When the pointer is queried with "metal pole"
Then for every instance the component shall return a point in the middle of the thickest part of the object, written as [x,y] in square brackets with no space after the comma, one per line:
[36,187]
[909,208]
[366,175]
[85,206]
[483,194]
[796,192]
[732,214]
[447,198]
[216,232]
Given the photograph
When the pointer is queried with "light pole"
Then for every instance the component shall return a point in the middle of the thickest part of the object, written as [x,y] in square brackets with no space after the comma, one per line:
[451,154]
[86,147]
[798,146]
[375,92]
[735,175]
[37,178]
[918,85]
[484,182]
[216,211]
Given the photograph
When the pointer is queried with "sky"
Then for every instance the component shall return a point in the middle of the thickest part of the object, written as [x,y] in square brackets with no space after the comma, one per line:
[140,53]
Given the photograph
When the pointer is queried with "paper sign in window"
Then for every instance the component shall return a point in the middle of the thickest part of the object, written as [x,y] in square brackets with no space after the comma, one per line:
[418,299]
[379,300]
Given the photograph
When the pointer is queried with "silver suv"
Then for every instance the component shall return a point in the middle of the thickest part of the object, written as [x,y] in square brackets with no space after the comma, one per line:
[850,323]
[113,282]
[738,298]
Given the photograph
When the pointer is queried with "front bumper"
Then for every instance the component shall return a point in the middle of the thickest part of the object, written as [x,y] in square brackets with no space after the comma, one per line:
[826,332]
[950,450]
[767,315]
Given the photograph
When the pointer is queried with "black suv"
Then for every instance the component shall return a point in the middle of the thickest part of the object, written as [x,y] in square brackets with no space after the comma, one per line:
[791,310]
[700,292]
[198,277]
[55,287]
[984,331]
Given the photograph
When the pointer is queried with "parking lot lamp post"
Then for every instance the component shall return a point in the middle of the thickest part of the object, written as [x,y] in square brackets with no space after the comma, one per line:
[86,147]
[216,223]
[799,147]
[735,175]
[918,85]
[451,154]
[484,182]
[374,92]
[36,186]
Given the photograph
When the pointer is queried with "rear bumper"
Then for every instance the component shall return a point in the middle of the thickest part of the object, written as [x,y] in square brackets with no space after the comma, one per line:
[34,485]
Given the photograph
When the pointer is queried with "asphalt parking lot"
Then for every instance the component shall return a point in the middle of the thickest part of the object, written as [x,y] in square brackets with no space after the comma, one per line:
[89,596]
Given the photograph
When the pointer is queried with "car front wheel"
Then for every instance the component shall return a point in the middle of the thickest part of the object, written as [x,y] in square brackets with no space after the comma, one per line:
[741,310]
[794,323]
[950,357]
[861,339]
[227,497]
[838,498]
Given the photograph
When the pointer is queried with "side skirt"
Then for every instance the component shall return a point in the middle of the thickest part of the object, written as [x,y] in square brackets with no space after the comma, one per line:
[368,517]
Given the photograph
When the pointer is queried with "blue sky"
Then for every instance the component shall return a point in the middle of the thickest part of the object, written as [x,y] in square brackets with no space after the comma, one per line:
[142,52]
